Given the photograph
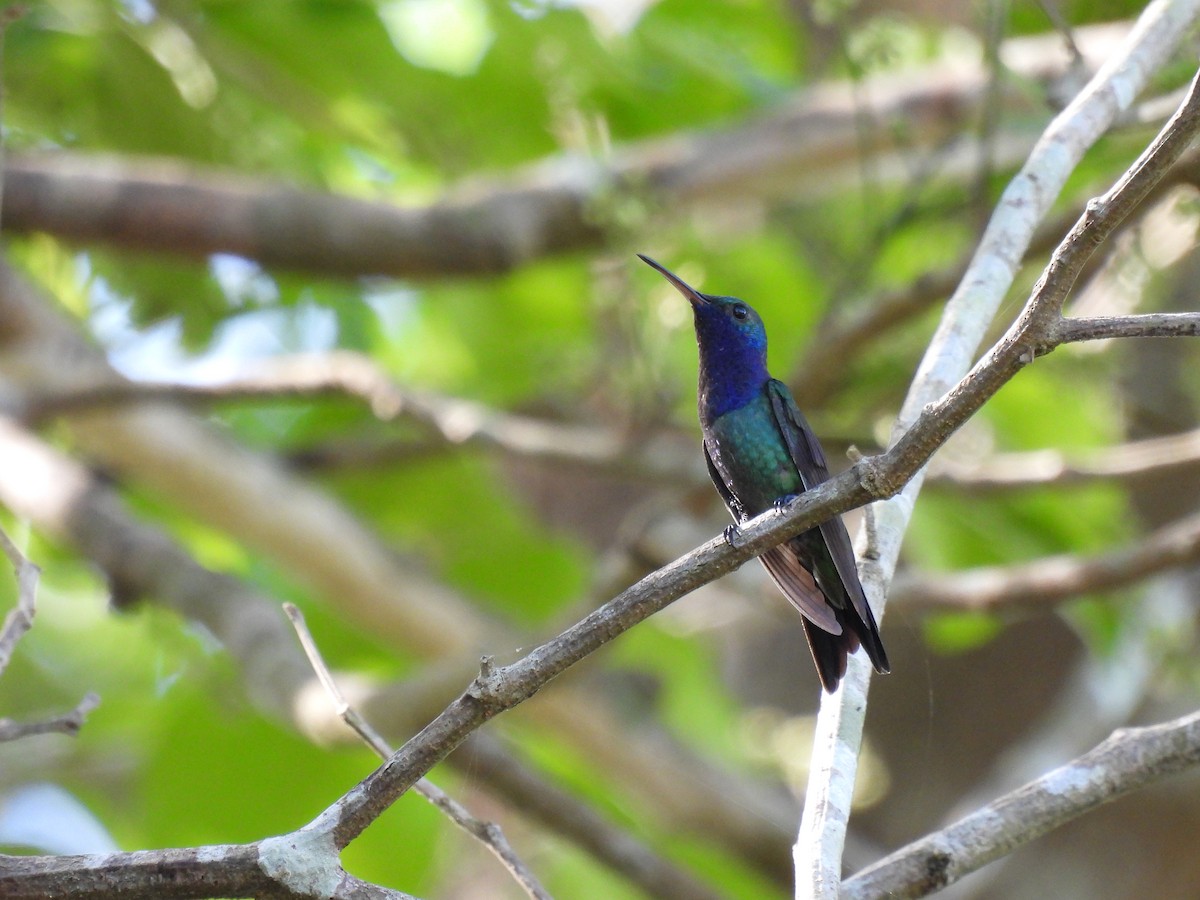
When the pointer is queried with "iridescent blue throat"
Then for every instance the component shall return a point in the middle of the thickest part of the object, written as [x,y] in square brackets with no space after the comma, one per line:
[733,359]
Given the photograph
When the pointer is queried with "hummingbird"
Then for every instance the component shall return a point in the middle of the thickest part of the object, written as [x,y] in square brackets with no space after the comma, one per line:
[761,453]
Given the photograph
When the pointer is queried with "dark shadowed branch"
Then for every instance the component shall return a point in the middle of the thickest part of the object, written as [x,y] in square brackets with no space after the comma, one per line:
[810,143]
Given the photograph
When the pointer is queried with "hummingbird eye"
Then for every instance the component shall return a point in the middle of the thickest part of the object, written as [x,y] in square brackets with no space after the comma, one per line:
[740,310]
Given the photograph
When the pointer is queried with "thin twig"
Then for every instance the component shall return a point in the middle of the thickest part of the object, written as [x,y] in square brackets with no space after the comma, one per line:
[65,723]
[1054,14]
[1146,325]
[20,618]
[1130,759]
[16,624]
[488,833]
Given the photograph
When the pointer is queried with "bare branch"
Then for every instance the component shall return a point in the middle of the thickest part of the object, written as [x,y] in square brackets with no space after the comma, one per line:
[298,865]
[1052,579]
[1145,325]
[500,688]
[64,723]
[1130,759]
[64,500]
[811,143]
[487,833]
[20,618]
[1054,468]
[925,421]
[450,421]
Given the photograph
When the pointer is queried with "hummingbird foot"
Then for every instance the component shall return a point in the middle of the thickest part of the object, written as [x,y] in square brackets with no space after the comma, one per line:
[782,503]
[732,535]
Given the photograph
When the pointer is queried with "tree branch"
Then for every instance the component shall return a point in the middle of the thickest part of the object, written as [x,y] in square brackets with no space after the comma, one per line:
[64,500]
[448,421]
[809,143]
[497,689]
[942,397]
[487,833]
[65,723]
[1146,325]
[1052,579]
[299,865]
[20,618]
[1130,759]
[1052,468]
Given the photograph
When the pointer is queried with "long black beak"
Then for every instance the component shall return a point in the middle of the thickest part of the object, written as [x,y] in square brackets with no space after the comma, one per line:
[682,286]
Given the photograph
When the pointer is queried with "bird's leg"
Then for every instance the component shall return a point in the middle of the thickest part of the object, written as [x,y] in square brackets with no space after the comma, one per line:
[732,533]
[781,503]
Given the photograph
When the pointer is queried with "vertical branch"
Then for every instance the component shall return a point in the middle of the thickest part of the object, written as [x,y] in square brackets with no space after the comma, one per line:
[818,850]
[20,618]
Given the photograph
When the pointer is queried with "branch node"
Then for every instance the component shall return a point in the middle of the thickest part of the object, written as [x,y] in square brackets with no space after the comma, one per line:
[876,478]
[488,684]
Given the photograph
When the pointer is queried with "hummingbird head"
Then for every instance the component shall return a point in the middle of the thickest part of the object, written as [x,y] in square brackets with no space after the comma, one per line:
[733,347]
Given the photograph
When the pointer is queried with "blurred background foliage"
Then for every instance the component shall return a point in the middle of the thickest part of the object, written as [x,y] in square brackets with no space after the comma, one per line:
[401,101]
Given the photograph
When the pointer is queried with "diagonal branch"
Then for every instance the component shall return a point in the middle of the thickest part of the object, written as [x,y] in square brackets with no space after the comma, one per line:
[942,397]
[497,689]
[63,500]
[1130,759]
[487,833]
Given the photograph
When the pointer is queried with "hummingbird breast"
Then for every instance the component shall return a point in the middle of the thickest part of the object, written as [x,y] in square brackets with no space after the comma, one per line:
[750,454]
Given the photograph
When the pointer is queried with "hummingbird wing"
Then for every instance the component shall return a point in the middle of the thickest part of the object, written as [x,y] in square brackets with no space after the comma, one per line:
[796,581]
[810,462]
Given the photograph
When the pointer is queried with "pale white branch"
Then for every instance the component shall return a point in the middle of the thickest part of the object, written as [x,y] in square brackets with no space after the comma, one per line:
[1130,759]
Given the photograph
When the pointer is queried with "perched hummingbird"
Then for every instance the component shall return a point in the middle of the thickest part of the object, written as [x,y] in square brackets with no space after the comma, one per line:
[761,453]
